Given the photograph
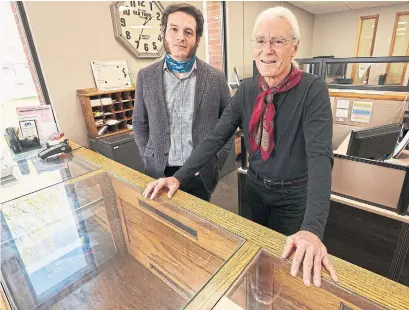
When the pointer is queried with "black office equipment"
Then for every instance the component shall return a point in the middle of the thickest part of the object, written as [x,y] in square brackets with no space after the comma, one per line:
[337,70]
[57,149]
[374,143]
[12,139]
[18,145]
[382,79]
[343,81]
[120,148]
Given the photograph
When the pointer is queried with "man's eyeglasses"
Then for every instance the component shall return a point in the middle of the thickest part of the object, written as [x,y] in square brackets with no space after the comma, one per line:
[259,43]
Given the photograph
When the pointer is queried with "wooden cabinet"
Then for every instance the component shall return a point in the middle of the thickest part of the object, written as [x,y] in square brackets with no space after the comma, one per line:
[107,113]
[267,284]
[179,248]
[98,236]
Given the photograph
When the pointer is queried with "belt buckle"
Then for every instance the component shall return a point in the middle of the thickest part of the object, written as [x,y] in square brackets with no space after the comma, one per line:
[269,183]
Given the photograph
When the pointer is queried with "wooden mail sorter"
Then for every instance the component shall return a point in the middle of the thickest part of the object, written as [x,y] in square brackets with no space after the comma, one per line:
[107,113]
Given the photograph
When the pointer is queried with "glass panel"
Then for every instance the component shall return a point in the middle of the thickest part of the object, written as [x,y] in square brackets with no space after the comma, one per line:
[370,74]
[20,85]
[366,37]
[53,238]
[365,48]
[267,284]
[397,72]
[310,68]
[97,244]
[31,174]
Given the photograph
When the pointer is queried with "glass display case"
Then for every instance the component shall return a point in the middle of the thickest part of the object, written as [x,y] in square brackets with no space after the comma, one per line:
[266,284]
[96,243]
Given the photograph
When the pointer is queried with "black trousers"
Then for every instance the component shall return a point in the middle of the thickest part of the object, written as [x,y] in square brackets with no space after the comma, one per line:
[194,185]
[280,208]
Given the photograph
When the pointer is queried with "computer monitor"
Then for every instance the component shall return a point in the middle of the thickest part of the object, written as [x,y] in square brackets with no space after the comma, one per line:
[336,69]
[374,143]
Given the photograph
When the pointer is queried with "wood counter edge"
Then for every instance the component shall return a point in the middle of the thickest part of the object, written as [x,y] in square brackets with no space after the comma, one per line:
[363,282]
[89,92]
[394,96]
[224,278]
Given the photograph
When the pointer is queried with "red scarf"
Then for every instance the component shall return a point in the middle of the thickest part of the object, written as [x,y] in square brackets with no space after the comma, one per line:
[261,127]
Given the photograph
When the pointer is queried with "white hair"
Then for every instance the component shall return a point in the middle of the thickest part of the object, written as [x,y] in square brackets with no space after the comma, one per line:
[280,12]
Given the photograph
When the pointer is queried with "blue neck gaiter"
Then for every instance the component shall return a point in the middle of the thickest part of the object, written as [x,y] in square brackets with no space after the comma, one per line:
[179,66]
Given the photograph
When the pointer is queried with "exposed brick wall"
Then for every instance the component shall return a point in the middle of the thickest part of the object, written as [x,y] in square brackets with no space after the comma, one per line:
[26,48]
[215,33]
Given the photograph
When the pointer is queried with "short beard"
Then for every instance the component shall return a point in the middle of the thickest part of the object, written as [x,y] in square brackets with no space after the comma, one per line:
[191,53]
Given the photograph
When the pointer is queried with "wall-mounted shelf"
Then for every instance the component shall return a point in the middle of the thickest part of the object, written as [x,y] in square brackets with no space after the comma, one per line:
[112,105]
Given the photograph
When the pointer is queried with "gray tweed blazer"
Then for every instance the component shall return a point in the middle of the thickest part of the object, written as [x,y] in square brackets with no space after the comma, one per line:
[151,125]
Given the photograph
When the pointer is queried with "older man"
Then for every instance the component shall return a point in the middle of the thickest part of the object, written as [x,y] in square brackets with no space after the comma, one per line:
[286,118]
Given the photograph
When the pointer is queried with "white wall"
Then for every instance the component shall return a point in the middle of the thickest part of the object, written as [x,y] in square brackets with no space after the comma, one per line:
[67,36]
[241,17]
[335,34]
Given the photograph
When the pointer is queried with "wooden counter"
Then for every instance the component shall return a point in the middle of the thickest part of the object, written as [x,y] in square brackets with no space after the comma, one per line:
[353,278]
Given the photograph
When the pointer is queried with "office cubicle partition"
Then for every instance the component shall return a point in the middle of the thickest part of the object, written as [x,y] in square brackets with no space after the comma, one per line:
[311,65]
[367,73]
[389,73]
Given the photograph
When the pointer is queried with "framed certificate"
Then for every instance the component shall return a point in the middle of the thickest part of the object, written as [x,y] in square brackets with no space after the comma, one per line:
[28,128]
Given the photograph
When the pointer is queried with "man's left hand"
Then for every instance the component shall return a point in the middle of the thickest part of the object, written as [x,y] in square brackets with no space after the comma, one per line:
[311,252]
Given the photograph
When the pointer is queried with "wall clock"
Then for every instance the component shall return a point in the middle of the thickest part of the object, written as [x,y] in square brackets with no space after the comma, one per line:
[137,27]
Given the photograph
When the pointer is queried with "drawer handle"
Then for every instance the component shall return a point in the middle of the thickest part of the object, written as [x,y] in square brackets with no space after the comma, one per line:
[169,219]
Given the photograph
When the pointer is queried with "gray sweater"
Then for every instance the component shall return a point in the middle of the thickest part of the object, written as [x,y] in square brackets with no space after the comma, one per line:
[303,137]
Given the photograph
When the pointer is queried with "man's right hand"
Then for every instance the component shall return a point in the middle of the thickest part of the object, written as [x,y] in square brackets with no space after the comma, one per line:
[154,187]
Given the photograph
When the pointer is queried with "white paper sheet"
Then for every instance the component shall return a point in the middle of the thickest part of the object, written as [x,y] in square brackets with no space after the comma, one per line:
[343,104]
[401,147]
[341,113]
[110,75]
[361,111]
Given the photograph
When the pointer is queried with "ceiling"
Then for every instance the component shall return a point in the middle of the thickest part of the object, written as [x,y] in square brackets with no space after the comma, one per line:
[325,7]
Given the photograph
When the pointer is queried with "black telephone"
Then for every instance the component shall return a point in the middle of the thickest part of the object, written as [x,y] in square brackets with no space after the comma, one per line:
[57,149]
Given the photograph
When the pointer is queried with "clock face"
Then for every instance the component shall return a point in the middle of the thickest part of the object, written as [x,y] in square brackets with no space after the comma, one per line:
[137,27]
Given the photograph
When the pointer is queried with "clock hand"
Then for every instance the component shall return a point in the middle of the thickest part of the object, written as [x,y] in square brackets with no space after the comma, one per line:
[148,19]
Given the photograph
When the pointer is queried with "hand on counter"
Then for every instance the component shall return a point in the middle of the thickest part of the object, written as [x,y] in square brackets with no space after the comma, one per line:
[154,187]
[311,252]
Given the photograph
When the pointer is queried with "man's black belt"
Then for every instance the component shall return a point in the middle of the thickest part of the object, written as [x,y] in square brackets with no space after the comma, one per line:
[278,183]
